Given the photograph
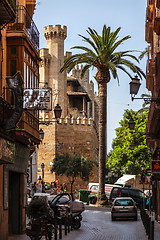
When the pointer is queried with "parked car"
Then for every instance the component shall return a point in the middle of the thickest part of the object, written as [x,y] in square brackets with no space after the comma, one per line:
[41,195]
[93,187]
[64,204]
[137,195]
[123,207]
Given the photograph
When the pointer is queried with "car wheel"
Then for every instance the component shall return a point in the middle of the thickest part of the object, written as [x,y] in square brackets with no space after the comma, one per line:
[76,224]
[93,200]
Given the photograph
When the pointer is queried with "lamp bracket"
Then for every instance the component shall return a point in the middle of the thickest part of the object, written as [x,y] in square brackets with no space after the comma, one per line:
[149,99]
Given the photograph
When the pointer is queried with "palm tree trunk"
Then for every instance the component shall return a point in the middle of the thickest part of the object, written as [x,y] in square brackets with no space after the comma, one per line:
[102,135]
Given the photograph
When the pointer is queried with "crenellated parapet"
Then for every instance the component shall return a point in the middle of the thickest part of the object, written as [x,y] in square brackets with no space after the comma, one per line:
[56,32]
[76,121]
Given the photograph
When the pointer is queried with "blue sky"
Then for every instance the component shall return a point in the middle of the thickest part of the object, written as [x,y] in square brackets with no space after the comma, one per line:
[78,16]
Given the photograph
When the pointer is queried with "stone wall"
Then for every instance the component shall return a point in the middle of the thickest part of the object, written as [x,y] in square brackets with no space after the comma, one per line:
[69,135]
[78,135]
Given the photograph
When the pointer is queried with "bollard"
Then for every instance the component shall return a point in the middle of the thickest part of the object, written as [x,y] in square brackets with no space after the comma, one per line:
[149,235]
[68,223]
[71,223]
[152,230]
[65,225]
[55,233]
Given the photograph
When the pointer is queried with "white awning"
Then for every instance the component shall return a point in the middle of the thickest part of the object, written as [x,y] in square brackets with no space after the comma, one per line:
[125,178]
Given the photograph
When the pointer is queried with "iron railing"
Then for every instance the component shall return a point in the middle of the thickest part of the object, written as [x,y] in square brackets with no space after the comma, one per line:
[25,22]
[13,4]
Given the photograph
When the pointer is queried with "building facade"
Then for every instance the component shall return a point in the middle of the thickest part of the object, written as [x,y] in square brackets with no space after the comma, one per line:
[152,36]
[76,130]
[19,128]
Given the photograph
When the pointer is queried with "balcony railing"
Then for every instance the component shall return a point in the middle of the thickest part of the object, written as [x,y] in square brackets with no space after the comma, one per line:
[29,124]
[24,22]
[13,4]
[7,12]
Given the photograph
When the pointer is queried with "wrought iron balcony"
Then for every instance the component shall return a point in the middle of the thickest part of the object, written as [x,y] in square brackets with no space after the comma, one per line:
[8,11]
[28,127]
[25,23]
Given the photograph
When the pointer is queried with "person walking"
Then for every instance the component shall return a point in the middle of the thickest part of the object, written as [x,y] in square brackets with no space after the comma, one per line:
[34,188]
[58,189]
[39,183]
[61,187]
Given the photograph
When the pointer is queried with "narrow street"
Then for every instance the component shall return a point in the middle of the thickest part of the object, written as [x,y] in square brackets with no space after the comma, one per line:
[97,225]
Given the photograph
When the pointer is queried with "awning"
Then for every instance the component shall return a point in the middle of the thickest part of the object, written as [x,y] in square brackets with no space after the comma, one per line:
[125,178]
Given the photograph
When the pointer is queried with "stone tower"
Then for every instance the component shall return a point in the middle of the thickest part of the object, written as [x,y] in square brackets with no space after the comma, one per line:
[77,128]
[53,55]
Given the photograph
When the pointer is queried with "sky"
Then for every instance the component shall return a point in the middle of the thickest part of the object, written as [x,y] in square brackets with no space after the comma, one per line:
[78,16]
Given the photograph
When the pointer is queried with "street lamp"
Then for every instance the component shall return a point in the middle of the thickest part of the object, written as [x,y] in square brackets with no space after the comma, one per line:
[134,88]
[57,111]
[41,133]
[42,167]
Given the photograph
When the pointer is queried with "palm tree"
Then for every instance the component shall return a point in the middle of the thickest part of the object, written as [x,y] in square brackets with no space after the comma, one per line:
[103,57]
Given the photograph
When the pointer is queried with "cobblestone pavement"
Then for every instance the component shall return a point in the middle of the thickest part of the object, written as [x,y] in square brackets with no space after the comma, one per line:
[97,225]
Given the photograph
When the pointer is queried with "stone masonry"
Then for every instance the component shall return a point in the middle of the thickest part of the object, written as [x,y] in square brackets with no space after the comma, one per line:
[77,128]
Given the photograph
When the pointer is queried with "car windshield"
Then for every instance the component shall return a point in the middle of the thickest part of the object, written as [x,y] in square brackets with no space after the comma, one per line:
[123,202]
[61,200]
[94,188]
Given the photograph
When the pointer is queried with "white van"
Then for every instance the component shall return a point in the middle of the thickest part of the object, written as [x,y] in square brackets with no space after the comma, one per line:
[93,187]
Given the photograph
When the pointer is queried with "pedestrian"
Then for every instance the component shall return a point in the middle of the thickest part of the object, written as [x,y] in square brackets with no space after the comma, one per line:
[56,181]
[51,186]
[28,191]
[34,188]
[40,182]
[76,193]
[58,189]
[64,187]
[55,184]
[61,187]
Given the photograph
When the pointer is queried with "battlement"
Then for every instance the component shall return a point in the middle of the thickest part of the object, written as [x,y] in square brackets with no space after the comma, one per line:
[51,32]
[68,120]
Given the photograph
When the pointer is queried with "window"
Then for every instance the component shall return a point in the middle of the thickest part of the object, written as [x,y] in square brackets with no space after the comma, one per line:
[31,71]
[126,202]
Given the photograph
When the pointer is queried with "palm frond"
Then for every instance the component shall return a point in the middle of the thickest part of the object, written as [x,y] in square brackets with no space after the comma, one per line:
[101,53]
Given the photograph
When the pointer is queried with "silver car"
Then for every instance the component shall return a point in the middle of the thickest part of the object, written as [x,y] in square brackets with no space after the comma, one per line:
[123,207]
